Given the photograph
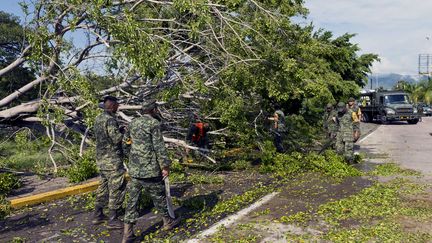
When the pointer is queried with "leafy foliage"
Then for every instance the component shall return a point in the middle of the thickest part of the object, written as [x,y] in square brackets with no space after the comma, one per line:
[284,165]
[376,201]
[84,168]
[389,169]
[381,232]
[4,207]
[8,182]
[12,41]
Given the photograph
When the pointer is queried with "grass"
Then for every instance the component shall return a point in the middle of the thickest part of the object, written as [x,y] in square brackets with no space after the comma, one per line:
[30,160]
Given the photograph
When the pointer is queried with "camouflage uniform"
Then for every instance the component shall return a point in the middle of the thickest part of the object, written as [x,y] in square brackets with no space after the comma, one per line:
[330,125]
[147,156]
[279,131]
[109,158]
[344,137]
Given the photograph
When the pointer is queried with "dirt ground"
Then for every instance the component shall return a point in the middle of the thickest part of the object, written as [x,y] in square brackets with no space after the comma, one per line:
[303,194]
[68,220]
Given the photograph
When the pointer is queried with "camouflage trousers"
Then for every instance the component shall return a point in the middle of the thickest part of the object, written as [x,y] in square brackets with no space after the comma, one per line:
[111,190]
[154,187]
[331,139]
[345,146]
[356,126]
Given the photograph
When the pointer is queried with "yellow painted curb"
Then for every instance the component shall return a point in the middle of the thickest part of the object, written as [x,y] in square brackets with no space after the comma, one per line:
[54,195]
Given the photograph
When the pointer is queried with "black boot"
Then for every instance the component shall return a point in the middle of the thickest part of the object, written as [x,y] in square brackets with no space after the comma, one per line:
[114,222]
[128,234]
[99,216]
[169,223]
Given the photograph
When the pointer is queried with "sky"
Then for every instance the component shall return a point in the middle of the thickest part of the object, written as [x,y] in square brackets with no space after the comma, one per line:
[397,30]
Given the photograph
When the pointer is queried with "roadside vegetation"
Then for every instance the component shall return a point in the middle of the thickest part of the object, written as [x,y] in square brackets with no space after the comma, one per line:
[8,182]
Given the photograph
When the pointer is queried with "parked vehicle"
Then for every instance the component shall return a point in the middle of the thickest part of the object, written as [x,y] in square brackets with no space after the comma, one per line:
[426,109]
[388,106]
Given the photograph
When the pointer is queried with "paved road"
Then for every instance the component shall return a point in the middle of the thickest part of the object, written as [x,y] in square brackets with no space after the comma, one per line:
[408,145]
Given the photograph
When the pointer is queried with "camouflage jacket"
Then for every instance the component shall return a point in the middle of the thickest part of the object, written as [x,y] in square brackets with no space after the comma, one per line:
[109,154]
[345,129]
[330,124]
[281,122]
[146,149]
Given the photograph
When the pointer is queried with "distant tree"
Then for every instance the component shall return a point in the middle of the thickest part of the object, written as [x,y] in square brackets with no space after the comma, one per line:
[343,58]
[12,44]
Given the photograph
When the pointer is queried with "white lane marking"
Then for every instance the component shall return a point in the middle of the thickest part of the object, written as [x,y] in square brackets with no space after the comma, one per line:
[361,140]
[231,219]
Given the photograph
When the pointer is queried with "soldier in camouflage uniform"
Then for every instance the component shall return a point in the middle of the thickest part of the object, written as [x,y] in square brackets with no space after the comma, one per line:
[330,125]
[278,129]
[355,112]
[344,137]
[148,165]
[109,158]
[329,122]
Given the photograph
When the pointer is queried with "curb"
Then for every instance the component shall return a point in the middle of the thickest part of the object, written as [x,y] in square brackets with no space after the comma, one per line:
[54,195]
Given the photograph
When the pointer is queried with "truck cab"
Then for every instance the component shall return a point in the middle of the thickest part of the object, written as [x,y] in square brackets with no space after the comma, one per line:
[388,106]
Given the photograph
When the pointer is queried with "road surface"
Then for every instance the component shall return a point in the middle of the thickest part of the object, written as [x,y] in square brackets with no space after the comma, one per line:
[408,145]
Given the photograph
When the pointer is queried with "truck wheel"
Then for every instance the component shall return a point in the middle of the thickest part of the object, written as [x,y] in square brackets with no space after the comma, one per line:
[383,120]
[414,121]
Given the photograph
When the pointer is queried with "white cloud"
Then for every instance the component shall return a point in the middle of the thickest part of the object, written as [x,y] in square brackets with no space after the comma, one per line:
[394,29]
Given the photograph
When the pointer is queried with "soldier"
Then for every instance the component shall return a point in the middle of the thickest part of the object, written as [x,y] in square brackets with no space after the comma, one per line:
[356,116]
[197,134]
[329,121]
[148,165]
[344,139]
[109,158]
[278,129]
[330,127]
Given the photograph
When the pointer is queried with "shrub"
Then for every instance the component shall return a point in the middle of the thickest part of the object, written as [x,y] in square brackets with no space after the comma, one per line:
[241,165]
[8,182]
[282,165]
[84,168]
[4,207]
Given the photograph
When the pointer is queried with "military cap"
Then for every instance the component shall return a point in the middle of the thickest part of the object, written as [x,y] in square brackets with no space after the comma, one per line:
[149,104]
[351,99]
[341,106]
[329,105]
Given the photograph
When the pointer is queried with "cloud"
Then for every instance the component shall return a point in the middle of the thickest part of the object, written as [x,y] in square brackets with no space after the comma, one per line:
[394,29]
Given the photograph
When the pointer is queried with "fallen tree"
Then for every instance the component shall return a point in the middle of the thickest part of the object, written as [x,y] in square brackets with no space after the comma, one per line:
[225,61]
